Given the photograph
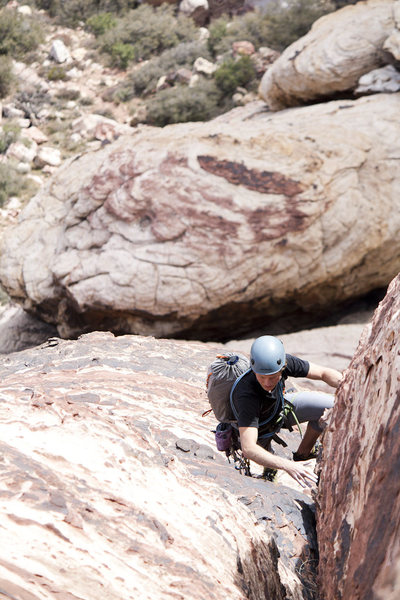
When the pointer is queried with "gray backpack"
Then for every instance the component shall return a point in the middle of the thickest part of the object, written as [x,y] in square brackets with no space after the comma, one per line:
[222,374]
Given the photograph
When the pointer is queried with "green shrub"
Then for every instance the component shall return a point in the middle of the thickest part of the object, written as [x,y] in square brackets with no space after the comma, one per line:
[149,31]
[252,27]
[144,80]
[288,23]
[122,54]
[71,12]
[277,26]
[234,73]
[10,182]
[99,24]
[6,76]
[56,73]
[9,133]
[181,104]
[19,35]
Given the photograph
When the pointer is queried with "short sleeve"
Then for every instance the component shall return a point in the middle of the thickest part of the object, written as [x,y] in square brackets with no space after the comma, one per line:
[296,367]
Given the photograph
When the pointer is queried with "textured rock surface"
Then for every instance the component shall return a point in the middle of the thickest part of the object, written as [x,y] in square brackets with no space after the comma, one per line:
[19,330]
[214,229]
[359,492]
[111,487]
[337,51]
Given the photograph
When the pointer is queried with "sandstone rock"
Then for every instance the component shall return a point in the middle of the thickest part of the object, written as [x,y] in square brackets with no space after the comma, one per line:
[91,126]
[217,228]
[59,52]
[392,43]
[21,152]
[386,79]
[359,492]
[48,156]
[99,500]
[28,77]
[243,47]
[204,66]
[183,75]
[25,10]
[12,112]
[18,330]
[331,58]
[197,9]
[36,135]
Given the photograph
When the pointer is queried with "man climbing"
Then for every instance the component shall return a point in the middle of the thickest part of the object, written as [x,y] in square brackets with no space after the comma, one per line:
[257,399]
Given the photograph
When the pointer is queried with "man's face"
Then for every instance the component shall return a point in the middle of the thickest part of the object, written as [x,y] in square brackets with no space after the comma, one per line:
[268,382]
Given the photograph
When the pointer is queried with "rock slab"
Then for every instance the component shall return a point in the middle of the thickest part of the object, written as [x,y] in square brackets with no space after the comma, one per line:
[359,492]
[112,486]
[330,59]
[209,230]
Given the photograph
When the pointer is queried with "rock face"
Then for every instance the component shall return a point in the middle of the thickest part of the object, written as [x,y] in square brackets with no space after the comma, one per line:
[213,229]
[19,330]
[112,486]
[337,51]
[359,492]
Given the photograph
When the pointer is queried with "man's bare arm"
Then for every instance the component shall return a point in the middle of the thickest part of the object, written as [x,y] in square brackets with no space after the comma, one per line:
[330,376]
[251,450]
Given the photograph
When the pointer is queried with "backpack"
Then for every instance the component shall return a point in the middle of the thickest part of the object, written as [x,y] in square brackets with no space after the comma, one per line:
[222,374]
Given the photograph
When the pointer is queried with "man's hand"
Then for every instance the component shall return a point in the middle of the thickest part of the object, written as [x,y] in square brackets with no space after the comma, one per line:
[302,474]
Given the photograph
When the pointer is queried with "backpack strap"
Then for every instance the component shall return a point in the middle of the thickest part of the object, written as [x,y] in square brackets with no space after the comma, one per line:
[233,407]
[279,405]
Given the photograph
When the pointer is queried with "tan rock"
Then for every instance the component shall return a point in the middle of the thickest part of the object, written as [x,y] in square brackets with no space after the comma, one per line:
[98,499]
[359,492]
[36,135]
[243,47]
[46,155]
[331,58]
[215,228]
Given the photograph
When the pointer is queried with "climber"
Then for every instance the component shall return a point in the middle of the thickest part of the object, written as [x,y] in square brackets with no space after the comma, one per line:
[257,399]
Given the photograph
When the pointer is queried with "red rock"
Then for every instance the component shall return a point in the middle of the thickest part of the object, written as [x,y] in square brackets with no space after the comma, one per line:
[359,492]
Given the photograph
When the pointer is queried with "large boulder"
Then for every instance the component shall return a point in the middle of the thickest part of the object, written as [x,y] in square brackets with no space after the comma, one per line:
[337,51]
[112,486]
[214,229]
[359,492]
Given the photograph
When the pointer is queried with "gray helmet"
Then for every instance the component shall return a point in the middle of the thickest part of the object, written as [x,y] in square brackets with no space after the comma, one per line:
[267,355]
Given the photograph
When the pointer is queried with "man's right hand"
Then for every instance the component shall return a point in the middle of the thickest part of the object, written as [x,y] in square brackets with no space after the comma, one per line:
[303,474]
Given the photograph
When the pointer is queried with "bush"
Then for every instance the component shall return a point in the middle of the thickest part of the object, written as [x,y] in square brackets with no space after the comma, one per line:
[288,23]
[56,73]
[277,26]
[18,34]
[99,24]
[122,54]
[181,104]
[252,27]
[234,73]
[71,12]
[6,76]
[149,31]
[144,80]
[10,182]
[9,133]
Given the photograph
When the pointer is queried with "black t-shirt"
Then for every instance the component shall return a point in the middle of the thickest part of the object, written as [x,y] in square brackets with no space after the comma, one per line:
[253,404]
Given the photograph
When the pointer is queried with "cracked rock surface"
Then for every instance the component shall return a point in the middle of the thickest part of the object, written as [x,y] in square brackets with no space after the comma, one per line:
[330,59]
[200,229]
